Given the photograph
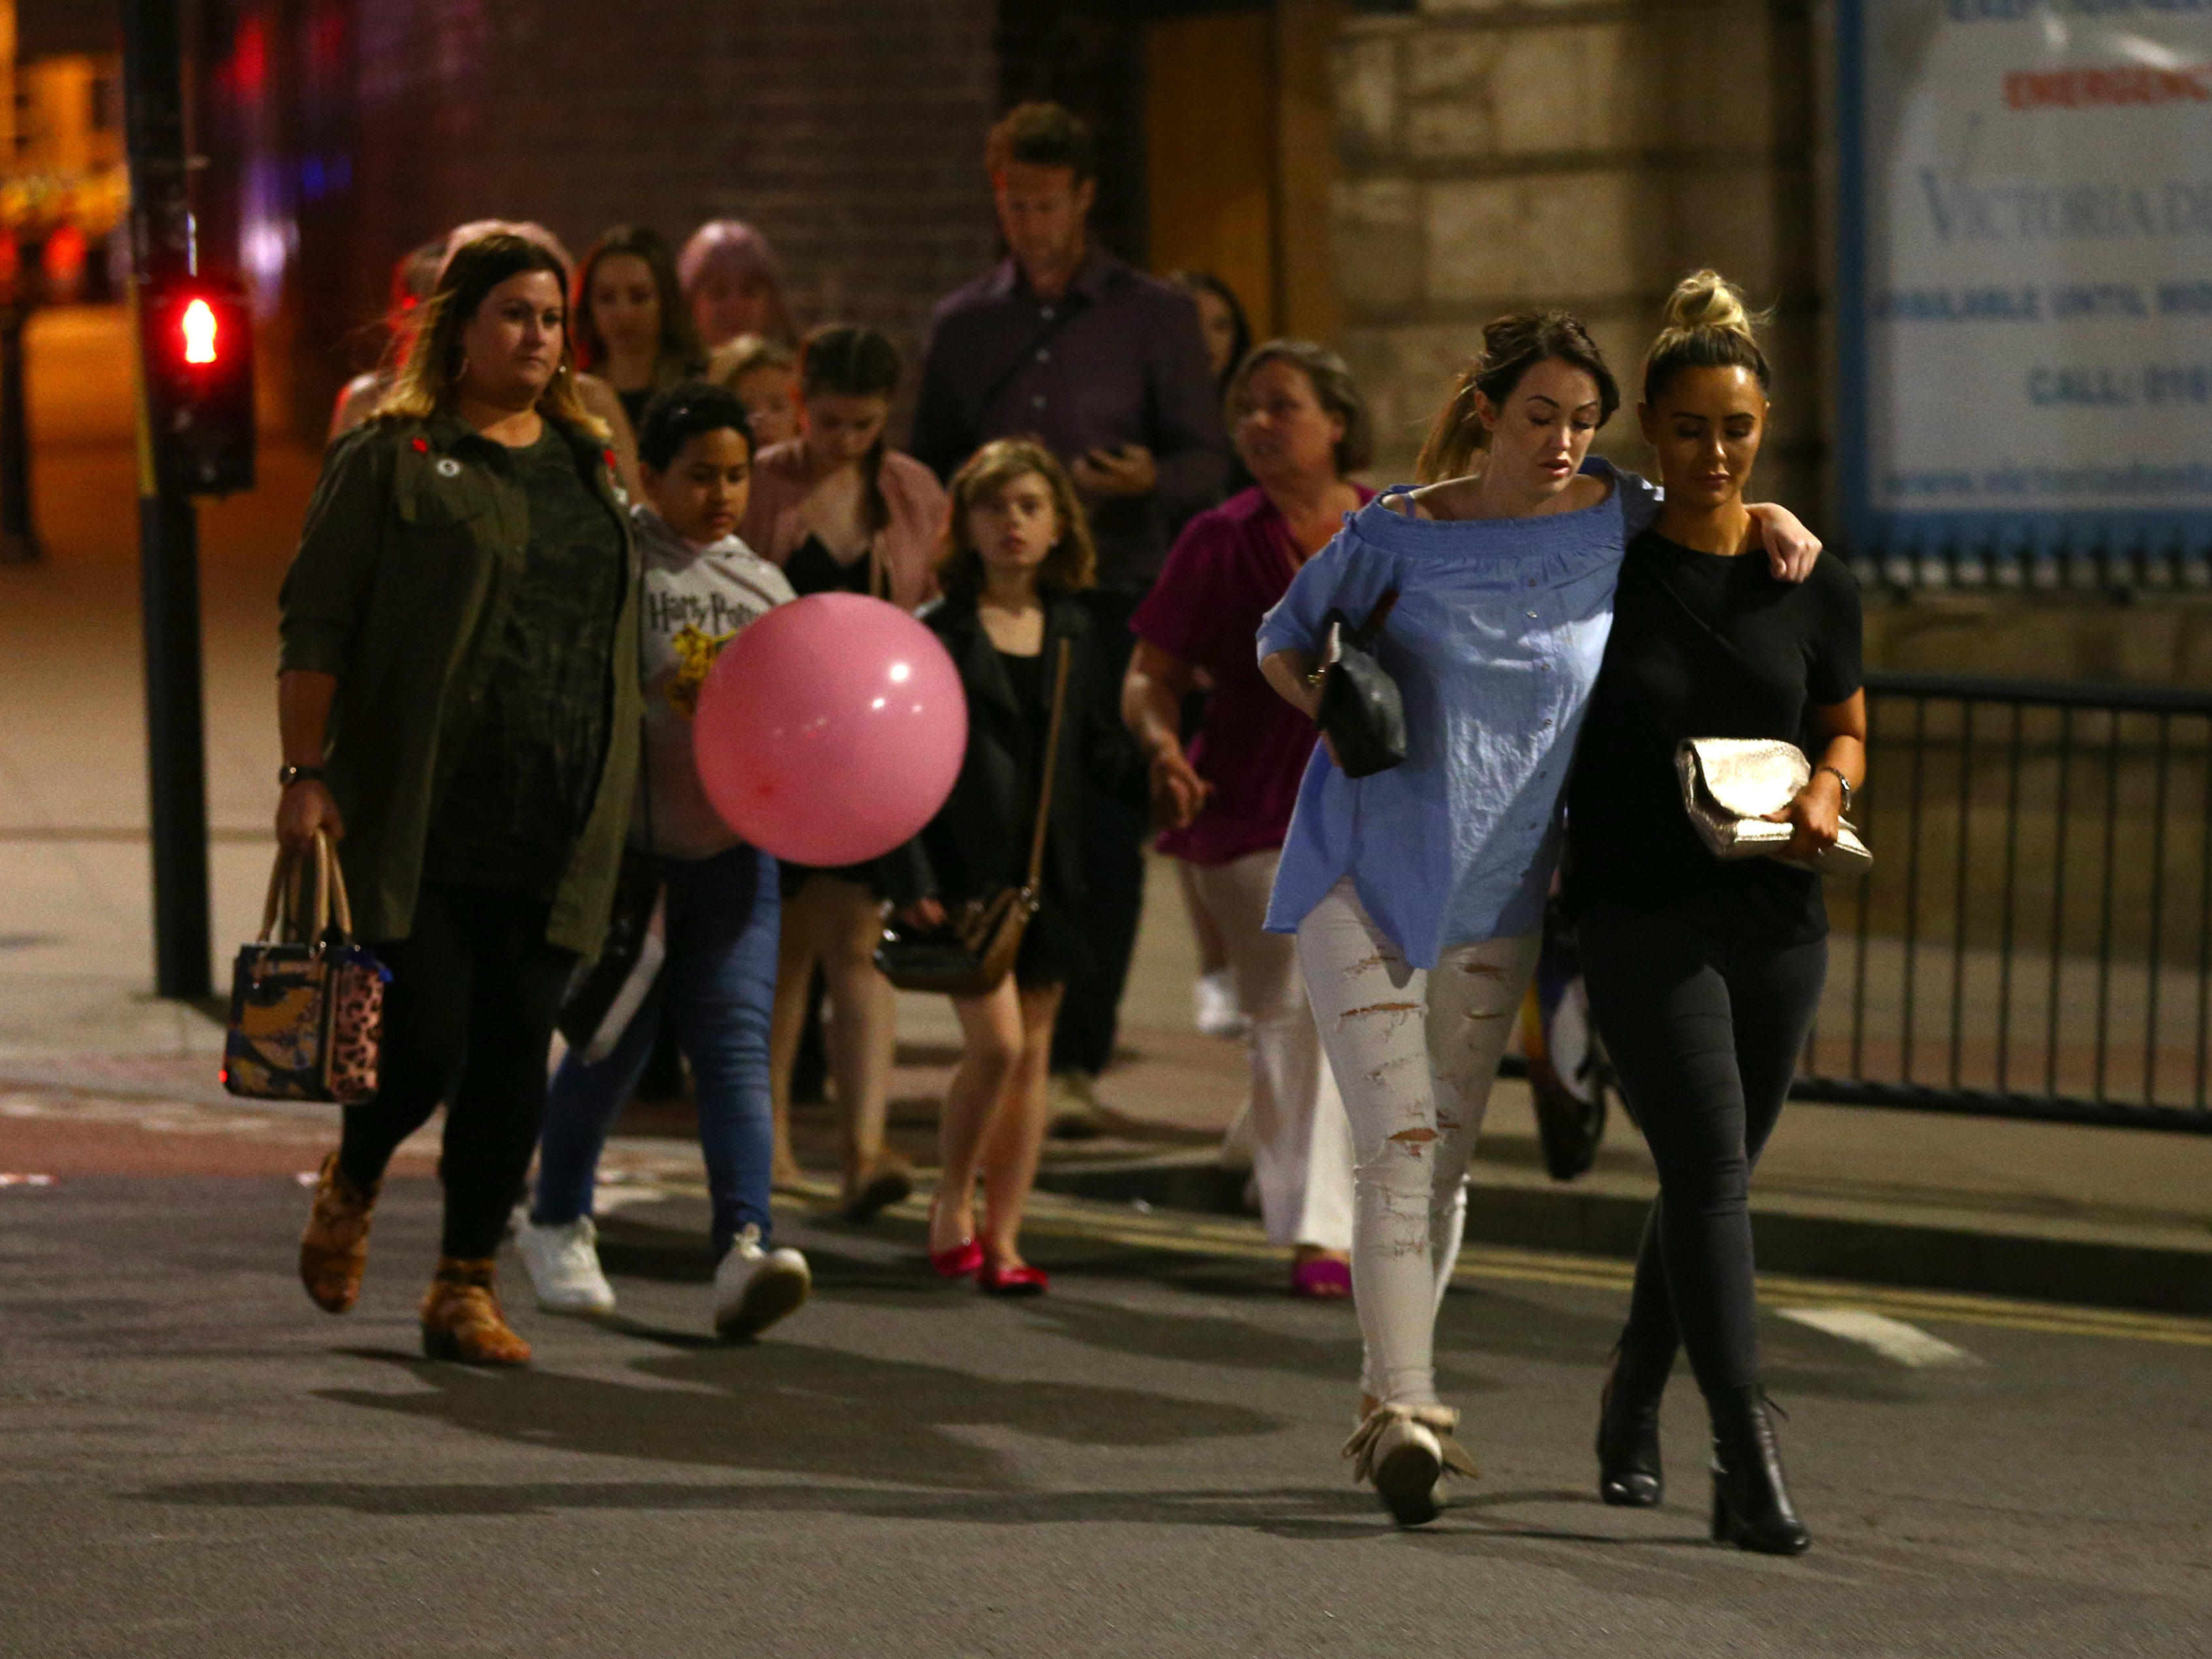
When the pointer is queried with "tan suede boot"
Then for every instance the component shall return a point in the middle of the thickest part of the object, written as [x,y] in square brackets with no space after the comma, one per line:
[461,1319]
[334,1250]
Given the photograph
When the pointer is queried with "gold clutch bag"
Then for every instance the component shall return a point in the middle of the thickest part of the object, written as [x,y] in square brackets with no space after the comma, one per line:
[1730,783]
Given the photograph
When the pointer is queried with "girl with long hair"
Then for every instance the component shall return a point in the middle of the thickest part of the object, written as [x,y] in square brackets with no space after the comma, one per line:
[840,510]
[460,713]
[1015,560]
[1417,893]
[1704,975]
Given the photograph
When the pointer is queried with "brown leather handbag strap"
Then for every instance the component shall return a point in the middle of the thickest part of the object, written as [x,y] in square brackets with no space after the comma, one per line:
[1051,760]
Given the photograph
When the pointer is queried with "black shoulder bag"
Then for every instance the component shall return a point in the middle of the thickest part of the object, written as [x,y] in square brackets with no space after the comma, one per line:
[1361,708]
[976,947]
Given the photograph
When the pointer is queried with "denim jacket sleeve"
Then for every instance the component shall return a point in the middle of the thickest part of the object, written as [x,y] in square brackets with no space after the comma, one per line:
[1349,575]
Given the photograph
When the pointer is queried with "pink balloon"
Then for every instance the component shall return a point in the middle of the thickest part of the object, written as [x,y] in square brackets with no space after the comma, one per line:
[831,730]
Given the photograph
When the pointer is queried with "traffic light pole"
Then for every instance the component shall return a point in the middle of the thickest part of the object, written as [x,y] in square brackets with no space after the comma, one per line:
[19,543]
[161,251]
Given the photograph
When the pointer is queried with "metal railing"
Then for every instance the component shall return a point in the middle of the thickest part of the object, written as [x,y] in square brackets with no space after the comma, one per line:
[2035,937]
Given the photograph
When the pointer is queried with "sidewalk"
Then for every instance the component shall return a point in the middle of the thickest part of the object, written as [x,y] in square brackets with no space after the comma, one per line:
[2111,1217]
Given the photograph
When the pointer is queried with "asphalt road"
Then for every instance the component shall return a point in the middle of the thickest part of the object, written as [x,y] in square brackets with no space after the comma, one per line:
[197,1462]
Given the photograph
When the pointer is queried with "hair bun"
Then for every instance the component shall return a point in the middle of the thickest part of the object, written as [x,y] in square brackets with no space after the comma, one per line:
[1707,300]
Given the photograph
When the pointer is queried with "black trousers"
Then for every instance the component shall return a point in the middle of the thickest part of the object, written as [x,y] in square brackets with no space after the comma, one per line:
[1705,1033]
[470,1011]
[1114,839]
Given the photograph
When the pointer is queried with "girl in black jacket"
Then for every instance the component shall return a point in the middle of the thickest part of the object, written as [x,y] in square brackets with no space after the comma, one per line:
[1015,556]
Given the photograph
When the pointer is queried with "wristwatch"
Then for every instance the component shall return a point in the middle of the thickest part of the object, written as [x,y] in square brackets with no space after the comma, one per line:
[287,775]
[1838,775]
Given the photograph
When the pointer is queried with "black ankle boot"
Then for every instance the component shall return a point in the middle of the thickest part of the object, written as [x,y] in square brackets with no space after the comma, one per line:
[1628,1472]
[1751,1504]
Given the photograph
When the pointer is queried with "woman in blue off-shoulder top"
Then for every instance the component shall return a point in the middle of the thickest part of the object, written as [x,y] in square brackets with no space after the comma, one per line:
[1416,895]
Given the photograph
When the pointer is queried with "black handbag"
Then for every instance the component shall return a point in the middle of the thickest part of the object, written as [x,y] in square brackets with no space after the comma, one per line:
[1361,710]
[976,947]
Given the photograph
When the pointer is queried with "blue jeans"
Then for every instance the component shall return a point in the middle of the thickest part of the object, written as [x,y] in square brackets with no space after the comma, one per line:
[716,985]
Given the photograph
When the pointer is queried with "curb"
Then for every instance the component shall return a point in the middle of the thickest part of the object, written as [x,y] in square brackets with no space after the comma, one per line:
[1812,1243]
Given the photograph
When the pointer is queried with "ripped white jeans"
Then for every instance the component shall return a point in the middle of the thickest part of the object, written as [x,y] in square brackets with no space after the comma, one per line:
[1415,1053]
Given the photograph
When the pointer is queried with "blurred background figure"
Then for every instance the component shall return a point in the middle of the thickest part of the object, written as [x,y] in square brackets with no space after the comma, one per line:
[1228,338]
[840,511]
[633,328]
[734,283]
[764,374]
[412,278]
[1302,427]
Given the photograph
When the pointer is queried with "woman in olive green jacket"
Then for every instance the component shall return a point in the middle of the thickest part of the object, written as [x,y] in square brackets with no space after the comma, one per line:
[458,700]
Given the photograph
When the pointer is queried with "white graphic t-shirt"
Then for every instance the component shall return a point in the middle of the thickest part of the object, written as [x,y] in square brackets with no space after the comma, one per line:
[695,602]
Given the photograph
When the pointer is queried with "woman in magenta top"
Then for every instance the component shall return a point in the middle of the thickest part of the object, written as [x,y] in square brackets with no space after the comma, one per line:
[1300,426]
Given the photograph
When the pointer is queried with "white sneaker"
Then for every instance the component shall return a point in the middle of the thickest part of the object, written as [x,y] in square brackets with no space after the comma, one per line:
[754,1288]
[564,1267]
[1214,1006]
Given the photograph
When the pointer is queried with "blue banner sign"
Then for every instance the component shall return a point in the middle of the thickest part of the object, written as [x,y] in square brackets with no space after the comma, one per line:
[2025,287]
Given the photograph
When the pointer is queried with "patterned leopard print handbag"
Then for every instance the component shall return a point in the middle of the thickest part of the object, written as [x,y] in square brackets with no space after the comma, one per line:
[307,998]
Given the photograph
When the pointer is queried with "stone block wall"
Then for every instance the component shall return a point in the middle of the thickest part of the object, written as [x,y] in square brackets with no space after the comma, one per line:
[1586,153]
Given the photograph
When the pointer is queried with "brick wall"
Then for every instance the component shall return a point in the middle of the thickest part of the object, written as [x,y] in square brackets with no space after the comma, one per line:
[850,133]
[1586,154]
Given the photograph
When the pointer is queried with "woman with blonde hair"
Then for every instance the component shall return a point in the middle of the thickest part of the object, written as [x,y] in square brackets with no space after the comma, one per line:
[459,712]
[365,394]
[1704,975]
[1015,560]
[764,374]
[839,511]
[1416,893]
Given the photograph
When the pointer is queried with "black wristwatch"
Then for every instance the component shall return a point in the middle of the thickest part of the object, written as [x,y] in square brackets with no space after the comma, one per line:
[288,776]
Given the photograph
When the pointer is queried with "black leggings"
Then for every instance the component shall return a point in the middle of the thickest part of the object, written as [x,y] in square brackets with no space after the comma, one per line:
[1705,1034]
[475,990]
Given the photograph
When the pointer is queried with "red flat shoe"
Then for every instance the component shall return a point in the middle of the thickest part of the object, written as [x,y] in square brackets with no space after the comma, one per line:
[961,1259]
[998,1281]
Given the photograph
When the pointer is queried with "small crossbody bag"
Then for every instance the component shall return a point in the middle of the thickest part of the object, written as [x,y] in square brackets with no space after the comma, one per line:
[976,948]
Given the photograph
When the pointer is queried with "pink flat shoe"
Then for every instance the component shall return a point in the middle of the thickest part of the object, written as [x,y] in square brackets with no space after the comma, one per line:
[997,1280]
[1321,1279]
[961,1259]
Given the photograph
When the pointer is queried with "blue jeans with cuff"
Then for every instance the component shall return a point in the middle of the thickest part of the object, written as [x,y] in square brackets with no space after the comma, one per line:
[716,987]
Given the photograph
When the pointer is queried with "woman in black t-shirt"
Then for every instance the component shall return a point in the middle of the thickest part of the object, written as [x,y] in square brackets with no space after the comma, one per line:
[1704,975]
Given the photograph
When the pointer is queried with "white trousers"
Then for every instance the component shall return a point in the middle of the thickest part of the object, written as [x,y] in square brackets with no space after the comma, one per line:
[1414,1054]
[1294,1121]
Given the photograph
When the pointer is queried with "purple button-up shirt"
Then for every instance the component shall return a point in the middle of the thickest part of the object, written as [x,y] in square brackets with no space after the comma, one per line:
[1119,358]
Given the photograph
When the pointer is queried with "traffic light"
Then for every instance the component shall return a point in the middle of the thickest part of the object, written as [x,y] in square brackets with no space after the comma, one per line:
[199,386]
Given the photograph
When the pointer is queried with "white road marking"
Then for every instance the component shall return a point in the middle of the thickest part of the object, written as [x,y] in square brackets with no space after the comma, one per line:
[1892,1339]
[606,1200]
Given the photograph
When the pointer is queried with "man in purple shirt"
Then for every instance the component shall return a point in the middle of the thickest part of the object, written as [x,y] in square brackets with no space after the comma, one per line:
[1108,367]
[1063,341]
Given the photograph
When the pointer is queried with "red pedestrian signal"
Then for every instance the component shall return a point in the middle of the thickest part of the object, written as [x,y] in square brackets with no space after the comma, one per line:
[199,331]
[199,386]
